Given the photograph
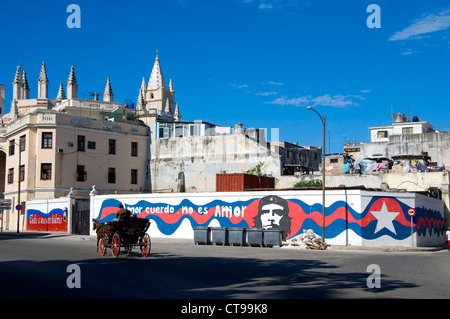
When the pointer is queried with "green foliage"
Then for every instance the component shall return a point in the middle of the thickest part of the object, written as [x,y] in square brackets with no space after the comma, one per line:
[311,183]
[257,170]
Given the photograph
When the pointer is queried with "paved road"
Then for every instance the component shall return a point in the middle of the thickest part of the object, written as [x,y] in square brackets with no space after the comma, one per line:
[34,265]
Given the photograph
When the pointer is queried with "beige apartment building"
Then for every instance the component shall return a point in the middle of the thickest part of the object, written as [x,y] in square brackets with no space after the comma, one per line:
[52,147]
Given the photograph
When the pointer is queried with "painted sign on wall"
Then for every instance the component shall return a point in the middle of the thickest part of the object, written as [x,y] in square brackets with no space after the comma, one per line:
[48,215]
[380,217]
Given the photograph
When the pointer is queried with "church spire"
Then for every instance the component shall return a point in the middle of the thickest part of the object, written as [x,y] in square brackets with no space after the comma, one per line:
[43,83]
[26,88]
[156,78]
[141,100]
[177,114]
[108,94]
[18,84]
[72,85]
[61,94]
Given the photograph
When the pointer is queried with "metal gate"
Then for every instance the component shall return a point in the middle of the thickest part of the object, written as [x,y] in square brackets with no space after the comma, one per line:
[80,217]
[80,222]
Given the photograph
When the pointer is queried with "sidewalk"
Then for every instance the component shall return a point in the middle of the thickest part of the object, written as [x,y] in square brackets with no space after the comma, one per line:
[65,236]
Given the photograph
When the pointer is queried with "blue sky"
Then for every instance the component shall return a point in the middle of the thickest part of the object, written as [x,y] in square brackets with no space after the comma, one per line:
[256,62]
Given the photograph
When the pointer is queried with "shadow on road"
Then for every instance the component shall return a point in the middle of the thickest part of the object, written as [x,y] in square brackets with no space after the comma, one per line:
[167,276]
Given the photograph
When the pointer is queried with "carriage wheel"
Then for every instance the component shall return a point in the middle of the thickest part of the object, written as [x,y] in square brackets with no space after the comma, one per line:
[102,245]
[146,245]
[115,245]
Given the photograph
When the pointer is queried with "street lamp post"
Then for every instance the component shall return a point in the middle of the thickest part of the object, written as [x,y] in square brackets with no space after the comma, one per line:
[322,118]
[18,187]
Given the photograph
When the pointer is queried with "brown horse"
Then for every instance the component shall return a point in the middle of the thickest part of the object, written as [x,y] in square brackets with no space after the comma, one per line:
[100,230]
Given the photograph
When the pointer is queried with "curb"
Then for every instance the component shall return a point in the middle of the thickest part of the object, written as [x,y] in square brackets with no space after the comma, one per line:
[65,236]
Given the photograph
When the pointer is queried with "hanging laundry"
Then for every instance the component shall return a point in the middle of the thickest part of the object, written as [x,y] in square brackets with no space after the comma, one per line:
[407,168]
[421,167]
[346,168]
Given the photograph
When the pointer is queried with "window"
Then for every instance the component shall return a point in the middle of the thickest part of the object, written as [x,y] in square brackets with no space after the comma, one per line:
[407,130]
[11,147]
[81,173]
[382,134]
[46,171]
[22,143]
[134,176]
[11,176]
[111,175]
[47,140]
[22,173]
[91,145]
[134,149]
[81,143]
[112,146]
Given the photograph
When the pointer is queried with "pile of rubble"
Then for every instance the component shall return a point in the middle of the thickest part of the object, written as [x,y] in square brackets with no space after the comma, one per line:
[308,240]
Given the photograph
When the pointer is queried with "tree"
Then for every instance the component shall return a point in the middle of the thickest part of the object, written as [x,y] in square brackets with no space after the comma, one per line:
[257,170]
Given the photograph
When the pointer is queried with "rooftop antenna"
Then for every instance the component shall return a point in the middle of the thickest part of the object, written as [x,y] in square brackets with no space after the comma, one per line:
[392,111]
[407,110]
[93,95]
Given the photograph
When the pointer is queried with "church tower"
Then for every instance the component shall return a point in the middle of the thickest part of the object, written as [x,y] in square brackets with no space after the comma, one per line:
[156,97]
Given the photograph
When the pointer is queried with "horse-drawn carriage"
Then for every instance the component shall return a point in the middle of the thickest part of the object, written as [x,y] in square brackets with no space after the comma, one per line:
[127,232]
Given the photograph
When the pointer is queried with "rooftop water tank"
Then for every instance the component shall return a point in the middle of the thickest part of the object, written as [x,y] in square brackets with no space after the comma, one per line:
[399,118]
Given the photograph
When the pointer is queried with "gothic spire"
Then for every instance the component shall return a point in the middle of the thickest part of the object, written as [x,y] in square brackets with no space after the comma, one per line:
[177,115]
[108,94]
[61,94]
[72,85]
[72,79]
[143,87]
[156,78]
[26,88]
[18,85]
[43,83]
[18,76]
[43,74]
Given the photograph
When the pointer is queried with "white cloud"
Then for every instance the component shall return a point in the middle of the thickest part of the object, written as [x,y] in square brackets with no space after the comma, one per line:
[275,83]
[266,93]
[239,86]
[427,24]
[264,6]
[324,100]
[278,4]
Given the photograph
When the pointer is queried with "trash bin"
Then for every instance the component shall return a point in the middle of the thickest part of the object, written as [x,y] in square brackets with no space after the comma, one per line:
[202,235]
[273,237]
[236,236]
[219,236]
[254,237]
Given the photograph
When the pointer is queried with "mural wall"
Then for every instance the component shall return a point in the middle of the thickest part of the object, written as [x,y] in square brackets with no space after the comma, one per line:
[352,217]
[48,214]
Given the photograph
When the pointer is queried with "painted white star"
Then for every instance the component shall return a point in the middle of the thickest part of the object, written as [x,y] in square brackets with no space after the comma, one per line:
[385,218]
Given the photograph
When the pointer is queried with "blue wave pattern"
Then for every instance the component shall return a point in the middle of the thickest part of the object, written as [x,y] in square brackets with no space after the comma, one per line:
[360,223]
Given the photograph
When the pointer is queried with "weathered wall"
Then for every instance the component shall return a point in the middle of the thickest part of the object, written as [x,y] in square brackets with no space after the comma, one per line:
[195,161]
[437,144]
[414,181]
